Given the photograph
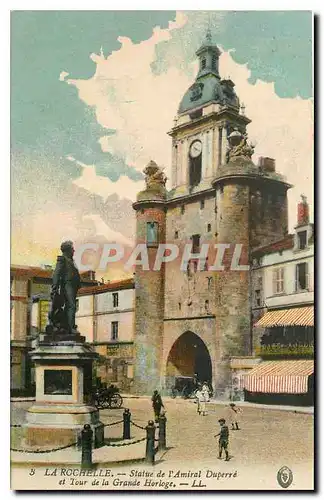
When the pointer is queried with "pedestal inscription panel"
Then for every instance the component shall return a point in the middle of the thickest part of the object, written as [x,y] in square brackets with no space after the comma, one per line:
[58,382]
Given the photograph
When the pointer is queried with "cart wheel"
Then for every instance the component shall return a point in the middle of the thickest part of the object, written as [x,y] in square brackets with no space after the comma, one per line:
[104,402]
[115,401]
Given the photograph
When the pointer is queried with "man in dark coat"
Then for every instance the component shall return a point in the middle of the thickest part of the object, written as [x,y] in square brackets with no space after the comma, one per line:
[157,404]
[65,285]
[223,439]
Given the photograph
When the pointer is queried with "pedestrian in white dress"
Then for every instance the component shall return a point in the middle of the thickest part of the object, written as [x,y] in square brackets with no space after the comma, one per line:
[201,402]
[205,390]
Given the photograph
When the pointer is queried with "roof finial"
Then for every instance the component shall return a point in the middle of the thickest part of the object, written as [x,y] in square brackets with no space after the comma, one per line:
[208,35]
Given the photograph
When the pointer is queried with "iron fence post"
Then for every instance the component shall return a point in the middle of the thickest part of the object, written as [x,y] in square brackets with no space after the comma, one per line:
[86,443]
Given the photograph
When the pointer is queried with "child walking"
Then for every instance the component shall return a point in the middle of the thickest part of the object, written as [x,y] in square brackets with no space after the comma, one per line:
[223,439]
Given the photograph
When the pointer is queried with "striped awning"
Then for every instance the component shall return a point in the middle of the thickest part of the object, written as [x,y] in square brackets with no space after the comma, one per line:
[280,377]
[297,316]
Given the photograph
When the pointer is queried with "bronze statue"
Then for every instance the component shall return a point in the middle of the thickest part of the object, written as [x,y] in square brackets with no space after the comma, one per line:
[65,285]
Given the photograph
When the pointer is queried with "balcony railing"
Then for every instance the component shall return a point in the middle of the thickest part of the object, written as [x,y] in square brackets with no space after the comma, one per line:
[285,351]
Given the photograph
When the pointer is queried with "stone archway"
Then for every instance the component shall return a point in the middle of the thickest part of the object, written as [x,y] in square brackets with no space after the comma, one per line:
[188,357]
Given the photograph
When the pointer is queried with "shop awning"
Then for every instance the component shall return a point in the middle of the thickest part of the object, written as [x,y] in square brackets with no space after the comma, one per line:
[280,377]
[297,316]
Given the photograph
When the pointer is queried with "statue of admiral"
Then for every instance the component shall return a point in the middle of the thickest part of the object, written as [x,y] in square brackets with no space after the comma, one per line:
[65,285]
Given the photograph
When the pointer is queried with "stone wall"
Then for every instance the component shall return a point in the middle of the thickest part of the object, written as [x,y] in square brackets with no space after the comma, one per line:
[115,364]
[232,285]
[149,308]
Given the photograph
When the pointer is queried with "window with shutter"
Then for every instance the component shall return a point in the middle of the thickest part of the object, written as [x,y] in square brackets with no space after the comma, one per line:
[301,276]
[278,280]
[114,330]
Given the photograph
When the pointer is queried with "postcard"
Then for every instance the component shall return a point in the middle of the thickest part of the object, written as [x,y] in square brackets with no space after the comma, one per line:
[162,258]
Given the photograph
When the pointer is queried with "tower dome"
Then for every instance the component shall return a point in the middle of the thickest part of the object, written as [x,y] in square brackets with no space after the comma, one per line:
[208,86]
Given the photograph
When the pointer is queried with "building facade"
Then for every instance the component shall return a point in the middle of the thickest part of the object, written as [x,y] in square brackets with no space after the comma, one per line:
[283,313]
[196,321]
[105,315]
[30,289]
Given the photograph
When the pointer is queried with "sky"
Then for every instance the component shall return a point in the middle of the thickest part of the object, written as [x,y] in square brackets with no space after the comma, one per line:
[93,95]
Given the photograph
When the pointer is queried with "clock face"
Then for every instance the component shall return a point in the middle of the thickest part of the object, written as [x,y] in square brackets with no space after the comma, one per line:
[195,149]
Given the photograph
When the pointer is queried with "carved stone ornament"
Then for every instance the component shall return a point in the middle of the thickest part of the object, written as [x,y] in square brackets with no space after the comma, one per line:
[238,146]
[154,176]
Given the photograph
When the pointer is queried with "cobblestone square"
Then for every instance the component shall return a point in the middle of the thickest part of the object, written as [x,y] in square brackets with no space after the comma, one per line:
[267,436]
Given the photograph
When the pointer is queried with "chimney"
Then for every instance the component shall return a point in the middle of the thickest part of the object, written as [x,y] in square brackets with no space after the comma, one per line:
[89,275]
[267,164]
[302,212]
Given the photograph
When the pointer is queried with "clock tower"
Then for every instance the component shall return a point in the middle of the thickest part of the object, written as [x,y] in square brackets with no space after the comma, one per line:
[208,113]
[193,314]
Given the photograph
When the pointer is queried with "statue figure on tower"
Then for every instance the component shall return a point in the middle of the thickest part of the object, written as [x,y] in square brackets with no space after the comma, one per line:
[238,146]
[154,176]
[65,285]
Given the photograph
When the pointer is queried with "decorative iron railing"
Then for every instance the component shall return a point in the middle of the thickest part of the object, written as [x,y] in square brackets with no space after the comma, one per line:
[285,351]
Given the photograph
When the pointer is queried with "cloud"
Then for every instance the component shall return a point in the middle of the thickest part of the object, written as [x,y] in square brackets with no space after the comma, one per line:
[129,98]
[140,105]
[125,188]
[131,101]
[282,129]
[104,230]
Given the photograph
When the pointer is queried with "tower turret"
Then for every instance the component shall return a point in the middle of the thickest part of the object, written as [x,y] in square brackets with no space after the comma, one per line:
[149,283]
[208,55]
[251,209]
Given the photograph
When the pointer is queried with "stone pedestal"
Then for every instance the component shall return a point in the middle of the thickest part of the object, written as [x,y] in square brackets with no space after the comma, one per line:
[63,372]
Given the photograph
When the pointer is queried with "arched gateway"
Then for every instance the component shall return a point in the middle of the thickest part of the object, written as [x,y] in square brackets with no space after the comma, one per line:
[188,357]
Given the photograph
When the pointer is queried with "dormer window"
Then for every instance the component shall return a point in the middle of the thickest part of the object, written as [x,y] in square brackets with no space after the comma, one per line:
[203,63]
[214,62]
[302,240]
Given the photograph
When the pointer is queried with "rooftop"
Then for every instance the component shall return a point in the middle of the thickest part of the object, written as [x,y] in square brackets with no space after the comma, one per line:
[39,272]
[285,243]
[112,286]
